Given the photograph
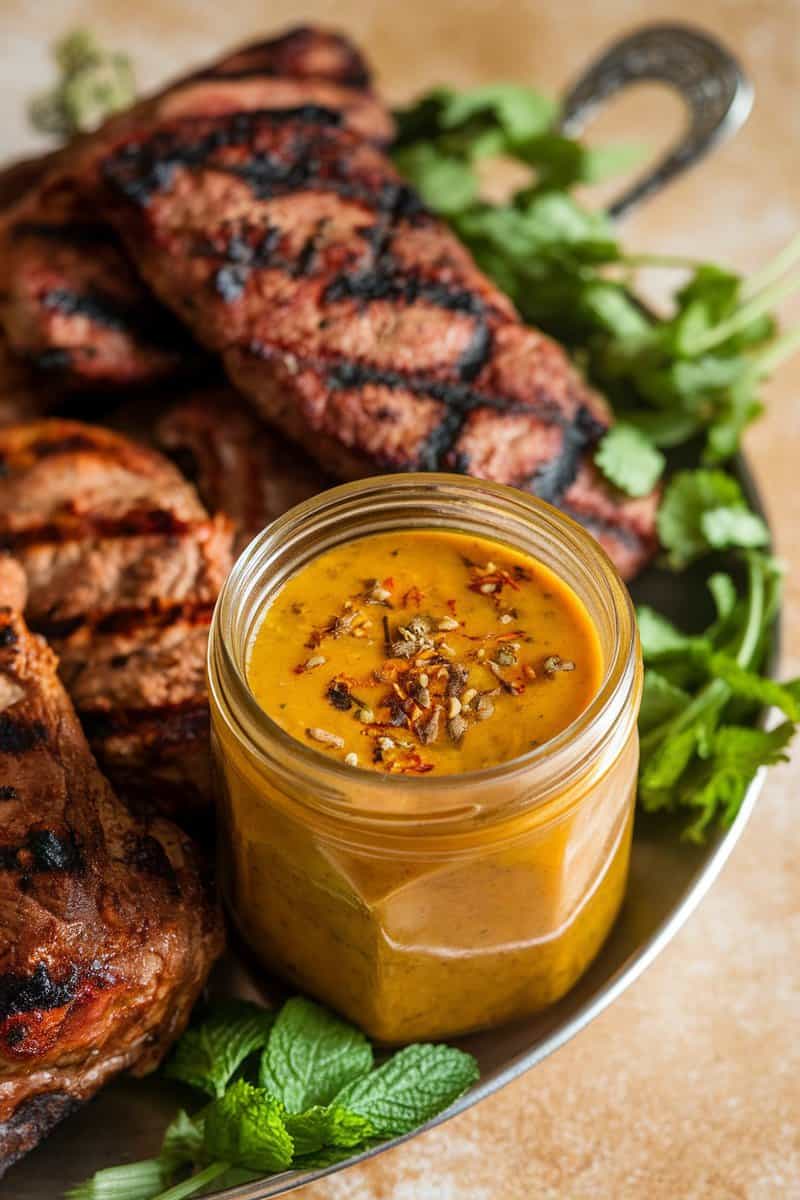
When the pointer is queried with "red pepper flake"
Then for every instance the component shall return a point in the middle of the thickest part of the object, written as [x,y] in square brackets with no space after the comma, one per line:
[413,596]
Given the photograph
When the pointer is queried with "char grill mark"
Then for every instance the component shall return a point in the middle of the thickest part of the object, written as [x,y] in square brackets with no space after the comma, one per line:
[99,972]
[43,850]
[27,993]
[551,481]
[123,568]
[74,308]
[382,345]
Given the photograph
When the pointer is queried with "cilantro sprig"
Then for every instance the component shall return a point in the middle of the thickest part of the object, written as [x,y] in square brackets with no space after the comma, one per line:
[695,371]
[699,747]
[313,1097]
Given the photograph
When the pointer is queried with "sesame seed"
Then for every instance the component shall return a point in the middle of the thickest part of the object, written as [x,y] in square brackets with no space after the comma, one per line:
[487,588]
[351,759]
[316,660]
[423,680]
[454,707]
[447,623]
[469,695]
[445,649]
[326,738]
[366,715]
[490,568]
[506,619]
[385,743]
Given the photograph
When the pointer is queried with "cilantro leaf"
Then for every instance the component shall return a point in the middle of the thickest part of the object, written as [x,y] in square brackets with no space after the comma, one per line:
[661,700]
[208,1055]
[718,785]
[733,526]
[704,510]
[520,112]
[658,635]
[749,685]
[329,1127]
[311,1055]
[629,460]
[411,1087]
[245,1128]
[445,183]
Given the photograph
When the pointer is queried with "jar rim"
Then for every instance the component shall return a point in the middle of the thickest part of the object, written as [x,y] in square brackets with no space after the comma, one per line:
[259,731]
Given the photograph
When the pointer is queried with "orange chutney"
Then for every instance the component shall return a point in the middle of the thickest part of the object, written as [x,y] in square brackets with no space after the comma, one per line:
[428,875]
[424,651]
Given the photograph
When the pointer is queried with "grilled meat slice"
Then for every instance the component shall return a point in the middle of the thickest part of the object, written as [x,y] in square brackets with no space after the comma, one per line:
[69,300]
[123,567]
[71,303]
[351,317]
[238,465]
[108,930]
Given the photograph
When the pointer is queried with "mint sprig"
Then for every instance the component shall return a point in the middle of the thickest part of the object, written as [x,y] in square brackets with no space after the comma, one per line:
[319,1100]
[208,1056]
[311,1055]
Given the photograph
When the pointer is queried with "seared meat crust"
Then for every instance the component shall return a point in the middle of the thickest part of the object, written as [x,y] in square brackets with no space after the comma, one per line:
[69,300]
[352,318]
[108,930]
[237,463]
[123,566]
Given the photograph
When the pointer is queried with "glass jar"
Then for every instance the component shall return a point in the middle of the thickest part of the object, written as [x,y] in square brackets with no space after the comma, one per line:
[425,907]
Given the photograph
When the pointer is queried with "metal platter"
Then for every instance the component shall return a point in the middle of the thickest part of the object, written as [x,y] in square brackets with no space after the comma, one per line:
[668,880]
[668,877]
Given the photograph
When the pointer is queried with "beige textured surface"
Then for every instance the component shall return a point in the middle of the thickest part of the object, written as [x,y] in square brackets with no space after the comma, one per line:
[689,1087]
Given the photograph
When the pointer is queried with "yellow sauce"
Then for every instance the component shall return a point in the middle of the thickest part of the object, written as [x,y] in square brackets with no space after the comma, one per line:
[425,652]
[432,931]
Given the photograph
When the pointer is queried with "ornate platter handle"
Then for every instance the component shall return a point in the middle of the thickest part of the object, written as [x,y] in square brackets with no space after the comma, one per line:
[715,90]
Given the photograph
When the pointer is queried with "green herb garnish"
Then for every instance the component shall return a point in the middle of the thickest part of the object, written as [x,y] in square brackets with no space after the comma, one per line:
[94,83]
[692,373]
[319,1099]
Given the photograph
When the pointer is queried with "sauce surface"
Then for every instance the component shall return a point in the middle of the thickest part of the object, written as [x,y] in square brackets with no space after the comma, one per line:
[425,651]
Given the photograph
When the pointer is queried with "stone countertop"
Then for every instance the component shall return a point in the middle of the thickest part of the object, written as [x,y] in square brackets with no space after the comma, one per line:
[688,1086]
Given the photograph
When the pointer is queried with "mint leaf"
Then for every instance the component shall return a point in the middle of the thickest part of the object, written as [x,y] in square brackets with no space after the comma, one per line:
[629,460]
[702,505]
[245,1128]
[413,1086]
[311,1055]
[183,1141]
[133,1181]
[327,1127]
[208,1055]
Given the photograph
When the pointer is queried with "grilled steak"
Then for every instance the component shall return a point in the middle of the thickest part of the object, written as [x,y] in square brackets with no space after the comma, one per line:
[238,465]
[108,932]
[69,300]
[350,316]
[123,567]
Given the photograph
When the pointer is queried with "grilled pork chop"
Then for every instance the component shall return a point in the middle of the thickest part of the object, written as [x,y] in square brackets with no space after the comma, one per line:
[238,464]
[107,931]
[350,316]
[69,300]
[123,566]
